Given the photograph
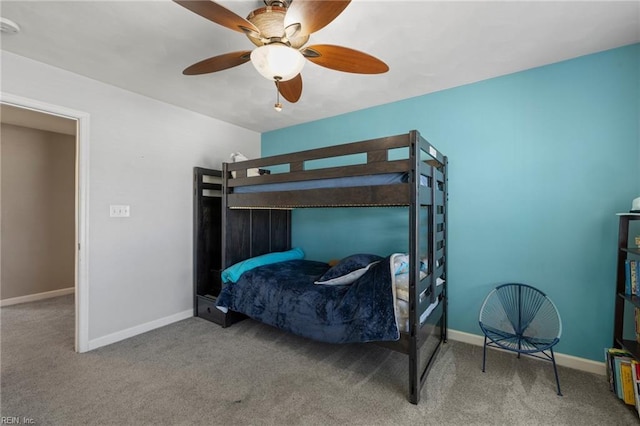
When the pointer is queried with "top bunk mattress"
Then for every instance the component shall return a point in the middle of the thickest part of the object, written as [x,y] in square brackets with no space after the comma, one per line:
[343,182]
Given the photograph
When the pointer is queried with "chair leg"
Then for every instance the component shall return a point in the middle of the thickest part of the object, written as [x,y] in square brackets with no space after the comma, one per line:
[484,353]
[555,370]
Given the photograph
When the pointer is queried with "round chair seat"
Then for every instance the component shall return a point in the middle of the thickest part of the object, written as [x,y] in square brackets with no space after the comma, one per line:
[522,344]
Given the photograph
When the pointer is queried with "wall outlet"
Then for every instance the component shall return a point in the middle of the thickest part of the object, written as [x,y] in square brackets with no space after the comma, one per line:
[118,210]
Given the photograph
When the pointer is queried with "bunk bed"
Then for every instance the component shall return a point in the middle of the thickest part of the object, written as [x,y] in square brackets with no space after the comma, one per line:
[397,171]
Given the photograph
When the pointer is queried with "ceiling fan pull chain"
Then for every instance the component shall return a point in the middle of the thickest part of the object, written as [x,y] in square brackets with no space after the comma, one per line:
[278,105]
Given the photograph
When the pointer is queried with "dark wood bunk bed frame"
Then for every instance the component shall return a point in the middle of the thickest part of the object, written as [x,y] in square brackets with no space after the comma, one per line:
[258,223]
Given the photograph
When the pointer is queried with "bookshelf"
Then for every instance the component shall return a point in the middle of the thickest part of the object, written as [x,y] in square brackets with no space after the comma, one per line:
[623,367]
[625,301]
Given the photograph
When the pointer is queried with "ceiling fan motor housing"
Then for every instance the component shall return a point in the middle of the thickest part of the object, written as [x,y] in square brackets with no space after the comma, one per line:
[270,21]
[281,3]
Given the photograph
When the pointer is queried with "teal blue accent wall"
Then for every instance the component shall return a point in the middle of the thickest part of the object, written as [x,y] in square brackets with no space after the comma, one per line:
[539,163]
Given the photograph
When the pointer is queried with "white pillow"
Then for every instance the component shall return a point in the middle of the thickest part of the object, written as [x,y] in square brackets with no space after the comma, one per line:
[347,278]
[238,156]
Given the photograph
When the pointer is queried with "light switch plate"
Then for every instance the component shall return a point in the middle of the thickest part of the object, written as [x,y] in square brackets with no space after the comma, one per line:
[119,210]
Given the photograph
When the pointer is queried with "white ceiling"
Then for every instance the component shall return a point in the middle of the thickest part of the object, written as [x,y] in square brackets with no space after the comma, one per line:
[143,46]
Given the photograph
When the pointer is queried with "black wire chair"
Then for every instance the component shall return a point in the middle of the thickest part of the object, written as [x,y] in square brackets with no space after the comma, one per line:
[522,319]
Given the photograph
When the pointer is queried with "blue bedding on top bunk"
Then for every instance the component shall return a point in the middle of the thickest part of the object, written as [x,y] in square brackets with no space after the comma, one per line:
[368,180]
[284,295]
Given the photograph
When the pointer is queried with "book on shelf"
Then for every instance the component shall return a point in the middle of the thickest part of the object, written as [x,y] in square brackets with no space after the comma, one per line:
[627,277]
[612,359]
[633,265]
[623,374]
[626,380]
[617,362]
[636,313]
[635,369]
[607,362]
[632,277]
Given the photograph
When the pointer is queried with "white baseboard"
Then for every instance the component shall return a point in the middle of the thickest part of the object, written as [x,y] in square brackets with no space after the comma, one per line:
[138,329]
[37,296]
[561,359]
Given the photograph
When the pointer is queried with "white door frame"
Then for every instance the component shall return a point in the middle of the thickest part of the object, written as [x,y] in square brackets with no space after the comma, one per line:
[82,208]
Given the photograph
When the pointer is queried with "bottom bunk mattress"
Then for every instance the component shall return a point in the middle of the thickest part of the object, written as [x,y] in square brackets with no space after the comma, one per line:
[284,295]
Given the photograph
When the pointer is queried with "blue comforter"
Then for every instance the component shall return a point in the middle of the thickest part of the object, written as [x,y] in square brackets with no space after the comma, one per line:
[283,295]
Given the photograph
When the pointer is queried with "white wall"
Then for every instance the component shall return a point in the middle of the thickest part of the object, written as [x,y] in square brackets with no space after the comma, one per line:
[142,153]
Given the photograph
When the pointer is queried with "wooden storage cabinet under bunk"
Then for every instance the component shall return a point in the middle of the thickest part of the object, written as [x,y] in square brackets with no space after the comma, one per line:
[627,250]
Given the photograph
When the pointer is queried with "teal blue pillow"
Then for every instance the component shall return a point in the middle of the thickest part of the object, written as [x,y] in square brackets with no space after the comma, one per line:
[233,272]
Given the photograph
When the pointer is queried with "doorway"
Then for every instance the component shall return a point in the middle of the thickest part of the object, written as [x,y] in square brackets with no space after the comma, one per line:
[42,117]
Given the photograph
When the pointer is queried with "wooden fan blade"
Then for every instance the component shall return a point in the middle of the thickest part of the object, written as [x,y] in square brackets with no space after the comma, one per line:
[313,15]
[219,63]
[291,90]
[220,15]
[344,59]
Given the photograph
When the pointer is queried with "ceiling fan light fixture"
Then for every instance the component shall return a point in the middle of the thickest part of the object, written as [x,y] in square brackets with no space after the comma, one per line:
[277,61]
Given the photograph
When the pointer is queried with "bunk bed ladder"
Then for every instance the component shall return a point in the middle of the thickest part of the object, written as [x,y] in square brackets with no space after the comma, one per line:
[415,375]
[427,236]
[445,293]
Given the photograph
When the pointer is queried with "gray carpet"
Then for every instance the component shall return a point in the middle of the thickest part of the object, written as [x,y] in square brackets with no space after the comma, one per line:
[195,372]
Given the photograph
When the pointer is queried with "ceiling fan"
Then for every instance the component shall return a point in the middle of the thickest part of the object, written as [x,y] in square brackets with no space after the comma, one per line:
[280,29]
